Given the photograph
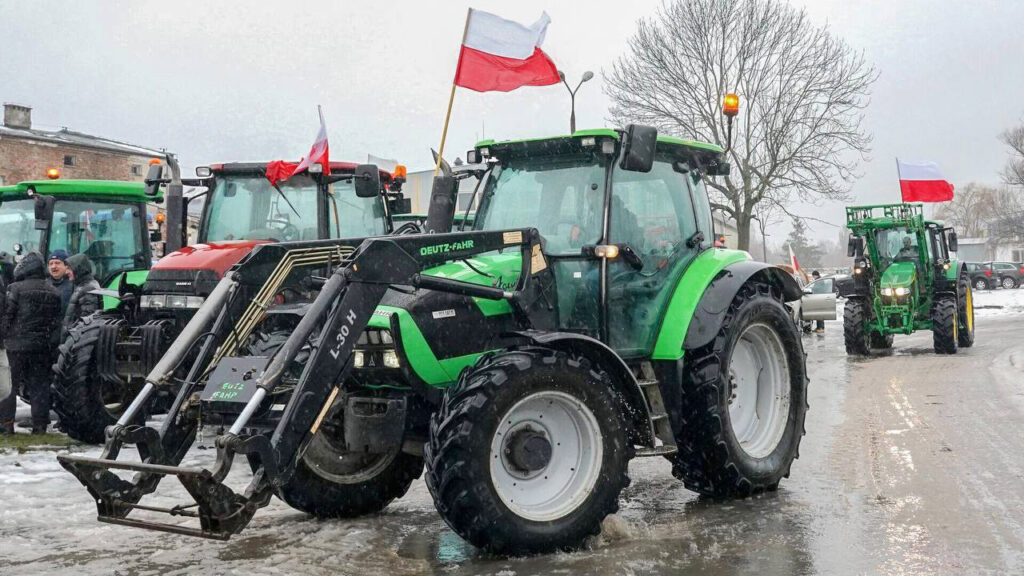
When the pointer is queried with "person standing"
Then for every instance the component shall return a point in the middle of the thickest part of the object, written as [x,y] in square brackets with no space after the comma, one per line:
[31,316]
[58,266]
[819,326]
[82,302]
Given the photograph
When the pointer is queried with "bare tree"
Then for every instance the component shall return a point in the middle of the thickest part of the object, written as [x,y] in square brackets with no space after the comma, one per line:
[1013,174]
[799,133]
[971,209]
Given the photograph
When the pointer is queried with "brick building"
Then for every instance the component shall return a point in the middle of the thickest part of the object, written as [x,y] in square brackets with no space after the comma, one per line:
[27,153]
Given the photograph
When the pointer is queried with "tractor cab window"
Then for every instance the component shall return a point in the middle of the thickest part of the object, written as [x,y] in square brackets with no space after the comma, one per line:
[897,245]
[249,208]
[110,234]
[17,225]
[562,197]
[350,216]
[653,214]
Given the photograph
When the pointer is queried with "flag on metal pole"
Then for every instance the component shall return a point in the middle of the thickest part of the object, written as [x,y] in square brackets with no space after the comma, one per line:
[923,182]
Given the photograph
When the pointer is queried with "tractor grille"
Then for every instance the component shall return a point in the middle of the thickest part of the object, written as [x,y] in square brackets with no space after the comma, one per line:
[190,282]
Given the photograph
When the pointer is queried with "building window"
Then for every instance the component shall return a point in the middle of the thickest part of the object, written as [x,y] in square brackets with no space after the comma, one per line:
[1018,255]
[136,169]
[70,160]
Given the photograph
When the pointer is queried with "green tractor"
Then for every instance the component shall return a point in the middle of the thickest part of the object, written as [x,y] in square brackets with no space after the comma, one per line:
[586,319]
[104,219]
[905,279]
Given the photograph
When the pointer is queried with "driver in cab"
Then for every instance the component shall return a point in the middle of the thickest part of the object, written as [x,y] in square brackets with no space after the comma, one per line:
[908,250]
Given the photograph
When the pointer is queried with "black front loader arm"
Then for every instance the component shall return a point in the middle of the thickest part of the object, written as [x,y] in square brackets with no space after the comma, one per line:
[342,310]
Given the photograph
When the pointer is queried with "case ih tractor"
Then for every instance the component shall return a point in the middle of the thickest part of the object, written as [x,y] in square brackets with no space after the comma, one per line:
[905,280]
[585,320]
[101,218]
[105,358]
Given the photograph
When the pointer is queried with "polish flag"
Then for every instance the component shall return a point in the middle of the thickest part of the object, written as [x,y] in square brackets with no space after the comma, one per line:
[500,55]
[279,170]
[922,182]
[792,259]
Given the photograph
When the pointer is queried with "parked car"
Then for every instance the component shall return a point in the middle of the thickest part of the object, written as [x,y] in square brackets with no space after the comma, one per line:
[992,275]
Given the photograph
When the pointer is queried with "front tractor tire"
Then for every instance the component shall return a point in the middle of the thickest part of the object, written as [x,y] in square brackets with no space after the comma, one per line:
[965,313]
[529,452]
[944,325]
[88,394]
[855,330]
[744,401]
[329,480]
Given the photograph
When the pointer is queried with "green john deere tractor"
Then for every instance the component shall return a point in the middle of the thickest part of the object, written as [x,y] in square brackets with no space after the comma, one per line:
[104,219]
[585,320]
[905,279]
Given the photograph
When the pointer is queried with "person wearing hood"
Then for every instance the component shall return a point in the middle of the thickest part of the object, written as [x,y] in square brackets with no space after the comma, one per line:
[31,315]
[82,303]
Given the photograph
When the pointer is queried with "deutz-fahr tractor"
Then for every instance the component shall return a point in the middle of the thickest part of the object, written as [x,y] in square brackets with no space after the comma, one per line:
[905,279]
[585,320]
[104,219]
[105,357]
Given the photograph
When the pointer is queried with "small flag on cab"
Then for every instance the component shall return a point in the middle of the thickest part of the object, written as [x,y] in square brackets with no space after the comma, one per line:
[923,182]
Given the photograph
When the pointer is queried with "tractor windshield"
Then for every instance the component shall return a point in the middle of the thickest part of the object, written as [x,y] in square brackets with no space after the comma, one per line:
[249,208]
[109,233]
[356,217]
[562,197]
[17,225]
[897,244]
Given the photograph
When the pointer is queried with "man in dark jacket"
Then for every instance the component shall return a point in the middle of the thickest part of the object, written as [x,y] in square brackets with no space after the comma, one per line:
[82,303]
[31,315]
[58,267]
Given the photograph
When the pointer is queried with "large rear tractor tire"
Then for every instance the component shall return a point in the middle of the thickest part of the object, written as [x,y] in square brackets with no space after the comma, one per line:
[944,325]
[744,401]
[965,313]
[855,333]
[529,452]
[330,481]
[88,395]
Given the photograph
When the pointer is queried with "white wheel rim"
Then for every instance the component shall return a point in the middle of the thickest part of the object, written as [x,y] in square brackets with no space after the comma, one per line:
[571,472]
[759,386]
[1007,283]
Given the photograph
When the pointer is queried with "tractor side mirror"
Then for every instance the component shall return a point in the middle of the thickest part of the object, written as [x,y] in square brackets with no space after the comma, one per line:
[155,236]
[953,241]
[855,247]
[44,211]
[367,180]
[719,169]
[153,179]
[638,150]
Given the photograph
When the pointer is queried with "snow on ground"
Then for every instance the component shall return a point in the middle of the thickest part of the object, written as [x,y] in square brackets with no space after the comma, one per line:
[1001,302]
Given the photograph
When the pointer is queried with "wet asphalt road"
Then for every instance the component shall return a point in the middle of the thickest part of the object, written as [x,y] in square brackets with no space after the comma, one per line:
[913,464]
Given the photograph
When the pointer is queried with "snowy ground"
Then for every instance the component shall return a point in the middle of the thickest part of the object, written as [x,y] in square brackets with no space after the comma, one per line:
[999,302]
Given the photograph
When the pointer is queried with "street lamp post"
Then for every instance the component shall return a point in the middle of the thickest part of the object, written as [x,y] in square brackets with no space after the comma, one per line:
[572,96]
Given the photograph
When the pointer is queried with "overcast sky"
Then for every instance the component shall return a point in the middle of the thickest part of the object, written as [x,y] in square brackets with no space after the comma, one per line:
[223,81]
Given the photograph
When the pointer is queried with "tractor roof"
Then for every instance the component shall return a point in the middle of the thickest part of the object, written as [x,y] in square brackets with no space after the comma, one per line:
[259,167]
[886,216]
[98,189]
[566,143]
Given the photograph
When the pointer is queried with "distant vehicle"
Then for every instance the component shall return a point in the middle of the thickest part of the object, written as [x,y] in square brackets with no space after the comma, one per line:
[992,275]
[818,302]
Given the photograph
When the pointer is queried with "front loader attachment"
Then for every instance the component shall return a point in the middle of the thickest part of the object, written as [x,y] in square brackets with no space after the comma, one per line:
[331,325]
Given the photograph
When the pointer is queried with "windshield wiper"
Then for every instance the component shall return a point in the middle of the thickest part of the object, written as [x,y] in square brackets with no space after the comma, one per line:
[289,202]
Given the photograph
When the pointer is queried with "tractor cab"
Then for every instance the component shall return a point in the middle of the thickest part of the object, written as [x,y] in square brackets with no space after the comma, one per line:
[617,236]
[105,220]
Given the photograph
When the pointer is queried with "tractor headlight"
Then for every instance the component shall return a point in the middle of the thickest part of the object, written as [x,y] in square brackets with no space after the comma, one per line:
[902,291]
[171,301]
[376,350]
[390,359]
[886,291]
[358,359]
[153,301]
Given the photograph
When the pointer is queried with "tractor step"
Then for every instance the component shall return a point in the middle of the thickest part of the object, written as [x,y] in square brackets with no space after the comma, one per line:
[656,411]
[663,450]
[221,511]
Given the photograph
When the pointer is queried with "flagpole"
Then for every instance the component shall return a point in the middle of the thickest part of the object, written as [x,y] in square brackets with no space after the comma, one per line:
[899,178]
[451,98]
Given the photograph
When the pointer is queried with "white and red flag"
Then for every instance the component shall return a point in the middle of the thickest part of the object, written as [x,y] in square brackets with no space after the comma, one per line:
[501,55]
[279,170]
[792,259]
[923,182]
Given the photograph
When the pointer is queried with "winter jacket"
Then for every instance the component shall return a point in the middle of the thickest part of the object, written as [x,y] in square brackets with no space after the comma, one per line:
[64,287]
[32,310]
[82,303]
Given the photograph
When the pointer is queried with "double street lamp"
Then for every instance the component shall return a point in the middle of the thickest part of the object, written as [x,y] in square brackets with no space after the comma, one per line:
[572,96]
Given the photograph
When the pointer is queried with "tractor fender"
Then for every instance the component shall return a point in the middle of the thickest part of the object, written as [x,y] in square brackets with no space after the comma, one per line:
[952,285]
[599,353]
[719,294]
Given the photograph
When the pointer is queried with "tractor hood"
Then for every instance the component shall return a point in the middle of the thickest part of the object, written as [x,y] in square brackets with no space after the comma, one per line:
[899,275]
[216,256]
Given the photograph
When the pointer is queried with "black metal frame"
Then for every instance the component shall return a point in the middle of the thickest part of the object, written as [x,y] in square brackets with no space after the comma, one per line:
[338,315]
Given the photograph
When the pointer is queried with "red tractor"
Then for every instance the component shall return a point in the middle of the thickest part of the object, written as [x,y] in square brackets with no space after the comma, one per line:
[105,357]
